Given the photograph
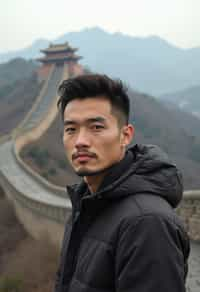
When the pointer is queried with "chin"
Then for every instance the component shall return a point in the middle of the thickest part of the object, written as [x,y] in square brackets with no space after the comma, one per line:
[88,172]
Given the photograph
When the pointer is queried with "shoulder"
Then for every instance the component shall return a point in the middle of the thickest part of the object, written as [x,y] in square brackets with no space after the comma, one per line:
[145,209]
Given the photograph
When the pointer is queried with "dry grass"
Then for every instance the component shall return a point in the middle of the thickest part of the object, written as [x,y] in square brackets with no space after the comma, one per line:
[2,195]
[11,232]
[33,263]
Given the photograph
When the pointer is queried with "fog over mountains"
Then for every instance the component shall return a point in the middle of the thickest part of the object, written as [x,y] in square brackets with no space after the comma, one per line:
[149,64]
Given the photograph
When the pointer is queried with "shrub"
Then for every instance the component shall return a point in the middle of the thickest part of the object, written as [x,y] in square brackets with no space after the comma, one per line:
[52,171]
[37,261]
[11,284]
[45,174]
[41,156]
[33,152]
[2,194]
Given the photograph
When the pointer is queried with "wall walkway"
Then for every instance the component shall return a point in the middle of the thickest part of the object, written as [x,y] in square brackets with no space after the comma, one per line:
[40,206]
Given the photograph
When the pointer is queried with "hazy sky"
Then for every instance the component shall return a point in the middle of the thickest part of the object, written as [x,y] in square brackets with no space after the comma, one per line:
[23,21]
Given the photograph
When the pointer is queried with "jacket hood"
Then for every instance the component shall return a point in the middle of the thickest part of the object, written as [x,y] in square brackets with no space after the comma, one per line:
[144,169]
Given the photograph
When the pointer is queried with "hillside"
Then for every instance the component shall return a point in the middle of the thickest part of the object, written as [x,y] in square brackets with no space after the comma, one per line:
[16,100]
[154,124]
[25,264]
[46,156]
[16,69]
[18,89]
[149,64]
[187,99]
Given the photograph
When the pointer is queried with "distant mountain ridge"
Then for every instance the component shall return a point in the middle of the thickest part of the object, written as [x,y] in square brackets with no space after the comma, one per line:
[30,52]
[149,64]
[187,100]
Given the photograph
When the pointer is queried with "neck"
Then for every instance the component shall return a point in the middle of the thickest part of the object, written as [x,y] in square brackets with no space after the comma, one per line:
[94,182]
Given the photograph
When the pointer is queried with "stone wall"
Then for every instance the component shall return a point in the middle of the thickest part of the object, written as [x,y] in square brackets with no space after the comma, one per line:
[74,68]
[189,211]
[44,71]
[18,130]
[5,138]
[38,218]
[24,138]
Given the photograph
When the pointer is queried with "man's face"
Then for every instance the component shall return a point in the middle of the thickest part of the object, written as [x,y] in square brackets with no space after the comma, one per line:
[92,138]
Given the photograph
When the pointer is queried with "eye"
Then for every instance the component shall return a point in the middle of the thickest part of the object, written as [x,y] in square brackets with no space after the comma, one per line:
[98,127]
[70,130]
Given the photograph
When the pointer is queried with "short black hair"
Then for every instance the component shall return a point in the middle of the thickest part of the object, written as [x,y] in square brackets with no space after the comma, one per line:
[94,85]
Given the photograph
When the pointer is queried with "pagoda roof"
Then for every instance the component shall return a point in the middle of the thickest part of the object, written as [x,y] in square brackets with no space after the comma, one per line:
[59,59]
[59,48]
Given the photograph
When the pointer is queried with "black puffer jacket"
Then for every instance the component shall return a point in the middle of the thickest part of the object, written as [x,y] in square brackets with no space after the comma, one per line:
[126,237]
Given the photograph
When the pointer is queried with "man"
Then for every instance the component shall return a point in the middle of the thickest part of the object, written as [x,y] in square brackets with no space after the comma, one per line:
[123,235]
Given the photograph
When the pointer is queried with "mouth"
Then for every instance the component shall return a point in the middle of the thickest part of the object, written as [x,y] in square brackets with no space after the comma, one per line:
[82,157]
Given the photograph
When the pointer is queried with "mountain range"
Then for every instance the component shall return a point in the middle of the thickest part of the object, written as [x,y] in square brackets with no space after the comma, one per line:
[148,64]
[187,100]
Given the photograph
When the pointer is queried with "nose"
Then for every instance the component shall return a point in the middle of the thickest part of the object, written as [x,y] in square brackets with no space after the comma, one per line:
[82,139]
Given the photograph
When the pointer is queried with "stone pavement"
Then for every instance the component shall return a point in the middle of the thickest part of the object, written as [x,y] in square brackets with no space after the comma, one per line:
[22,181]
[193,278]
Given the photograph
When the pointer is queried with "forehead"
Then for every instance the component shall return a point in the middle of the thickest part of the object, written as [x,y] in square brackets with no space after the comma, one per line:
[88,107]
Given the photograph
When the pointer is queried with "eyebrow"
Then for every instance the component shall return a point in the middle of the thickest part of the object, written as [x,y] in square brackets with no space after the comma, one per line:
[90,120]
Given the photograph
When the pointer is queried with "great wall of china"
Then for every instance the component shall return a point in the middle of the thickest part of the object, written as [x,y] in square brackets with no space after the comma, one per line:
[41,206]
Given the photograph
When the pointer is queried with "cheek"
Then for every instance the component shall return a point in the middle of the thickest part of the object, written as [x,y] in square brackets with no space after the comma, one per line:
[110,145]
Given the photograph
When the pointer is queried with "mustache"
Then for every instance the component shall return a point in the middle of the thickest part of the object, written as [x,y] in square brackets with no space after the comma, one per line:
[80,153]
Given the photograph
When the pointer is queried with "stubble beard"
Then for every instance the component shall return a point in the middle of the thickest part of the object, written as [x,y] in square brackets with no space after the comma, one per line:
[83,172]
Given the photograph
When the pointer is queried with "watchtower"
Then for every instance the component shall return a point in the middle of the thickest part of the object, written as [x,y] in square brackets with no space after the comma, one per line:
[59,55]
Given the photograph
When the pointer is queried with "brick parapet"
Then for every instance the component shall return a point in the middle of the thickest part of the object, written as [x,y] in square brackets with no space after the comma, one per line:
[37,217]
[18,131]
[23,139]
[189,211]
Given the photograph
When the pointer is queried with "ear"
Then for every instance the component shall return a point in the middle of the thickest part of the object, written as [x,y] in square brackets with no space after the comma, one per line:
[127,135]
